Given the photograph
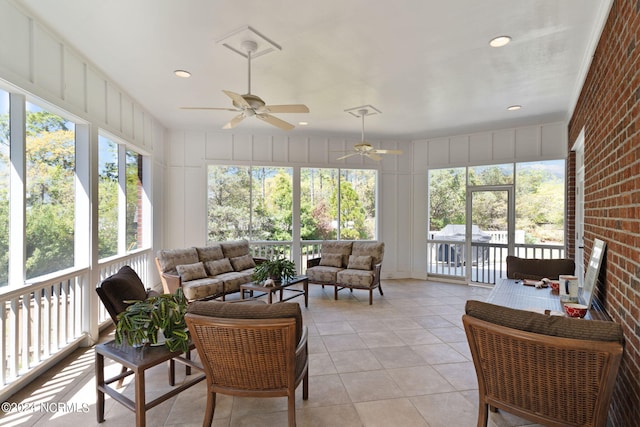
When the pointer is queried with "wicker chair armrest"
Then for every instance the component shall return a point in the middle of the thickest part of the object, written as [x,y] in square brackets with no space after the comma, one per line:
[260,259]
[313,262]
[303,340]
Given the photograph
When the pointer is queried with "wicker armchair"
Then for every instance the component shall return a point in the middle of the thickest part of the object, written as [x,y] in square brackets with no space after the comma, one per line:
[262,355]
[552,380]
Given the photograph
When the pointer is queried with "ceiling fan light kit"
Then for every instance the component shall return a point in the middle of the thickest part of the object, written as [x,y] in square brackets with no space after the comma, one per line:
[250,105]
[363,148]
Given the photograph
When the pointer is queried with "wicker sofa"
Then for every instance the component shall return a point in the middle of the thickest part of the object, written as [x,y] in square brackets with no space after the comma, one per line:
[531,268]
[207,272]
[346,264]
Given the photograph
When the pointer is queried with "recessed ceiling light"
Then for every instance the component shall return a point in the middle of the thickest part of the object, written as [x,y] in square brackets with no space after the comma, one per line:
[303,123]
[514,107]
[182,73]
[499,41]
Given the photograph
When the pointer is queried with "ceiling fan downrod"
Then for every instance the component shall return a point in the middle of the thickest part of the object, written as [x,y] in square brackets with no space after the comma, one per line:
[250,46]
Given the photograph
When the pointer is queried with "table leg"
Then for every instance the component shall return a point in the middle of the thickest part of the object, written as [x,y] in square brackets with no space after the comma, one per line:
[305,287]
[141,410]
[99,383]
[269,296]
[172,372]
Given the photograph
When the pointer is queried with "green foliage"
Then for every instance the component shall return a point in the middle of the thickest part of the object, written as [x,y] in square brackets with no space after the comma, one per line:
[139,324]
[277,269]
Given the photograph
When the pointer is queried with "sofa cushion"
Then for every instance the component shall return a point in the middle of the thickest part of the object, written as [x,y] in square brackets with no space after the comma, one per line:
[373,249]
[218,266]
[323,274]
[359,262]
[331,260]
[210,253]
[355,278]
[191,271]
[233,279]
[207,287]
[230,310]
[341,247]
[235,249]
[242,263]
[529,321]
[169,259]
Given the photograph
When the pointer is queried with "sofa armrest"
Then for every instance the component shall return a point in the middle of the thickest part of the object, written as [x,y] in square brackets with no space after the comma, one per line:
[376,273]
[170,282]
[313,262]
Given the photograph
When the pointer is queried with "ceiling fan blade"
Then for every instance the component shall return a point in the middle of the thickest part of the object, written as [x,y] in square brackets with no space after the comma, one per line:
[237,99]
[348,155]
[208,108]
[272,120]
[234,122]
[292,108]
[387,151]
[373,156]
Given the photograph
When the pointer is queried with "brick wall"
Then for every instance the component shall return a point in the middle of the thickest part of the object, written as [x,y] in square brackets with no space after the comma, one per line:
[609,111]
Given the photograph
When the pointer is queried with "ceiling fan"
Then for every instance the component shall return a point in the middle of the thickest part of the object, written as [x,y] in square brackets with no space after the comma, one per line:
[363,148]
[250,105]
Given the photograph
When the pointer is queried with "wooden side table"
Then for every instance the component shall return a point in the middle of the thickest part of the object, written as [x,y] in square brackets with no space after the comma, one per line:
[138,360]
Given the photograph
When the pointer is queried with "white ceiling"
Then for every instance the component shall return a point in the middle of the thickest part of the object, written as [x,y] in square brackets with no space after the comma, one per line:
[425,64]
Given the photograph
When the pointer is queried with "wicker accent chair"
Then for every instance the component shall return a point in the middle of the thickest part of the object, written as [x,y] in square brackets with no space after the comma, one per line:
[250,349]
[551,370]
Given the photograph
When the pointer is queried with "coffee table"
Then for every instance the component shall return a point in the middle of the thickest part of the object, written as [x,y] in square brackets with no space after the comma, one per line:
[138,360]
[285,286]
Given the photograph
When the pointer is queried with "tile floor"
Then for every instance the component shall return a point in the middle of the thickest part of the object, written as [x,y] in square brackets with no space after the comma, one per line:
[403,361]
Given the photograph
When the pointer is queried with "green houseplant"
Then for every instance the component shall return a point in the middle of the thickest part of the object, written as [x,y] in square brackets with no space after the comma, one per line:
[142,321]
[278,270]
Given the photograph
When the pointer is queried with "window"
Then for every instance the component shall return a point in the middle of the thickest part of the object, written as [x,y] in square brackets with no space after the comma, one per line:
[338,204]
[447,198]
[4,187]
[256,203]
[540,202]
[253,203]
[50,198]
[107,197]
[134,192]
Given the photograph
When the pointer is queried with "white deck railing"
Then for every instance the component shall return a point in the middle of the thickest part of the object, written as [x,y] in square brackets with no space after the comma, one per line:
[49,315]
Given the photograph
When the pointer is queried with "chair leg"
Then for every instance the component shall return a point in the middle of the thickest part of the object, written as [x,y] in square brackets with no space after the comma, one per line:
[292,408]
[305,386]
[380,288]
[370,296]
[335,292]
[211,407]
[483,414]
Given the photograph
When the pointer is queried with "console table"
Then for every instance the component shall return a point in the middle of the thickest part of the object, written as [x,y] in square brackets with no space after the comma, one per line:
[138,360]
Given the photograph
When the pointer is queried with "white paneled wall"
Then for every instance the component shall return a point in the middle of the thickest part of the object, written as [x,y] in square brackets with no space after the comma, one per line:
[41,63]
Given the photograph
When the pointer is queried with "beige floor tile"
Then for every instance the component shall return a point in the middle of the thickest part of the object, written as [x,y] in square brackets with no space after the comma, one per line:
[395,412]
[397,357]
[440,353]
[355,361]
[370,385]
[446,410]
[460,375]
[419,380]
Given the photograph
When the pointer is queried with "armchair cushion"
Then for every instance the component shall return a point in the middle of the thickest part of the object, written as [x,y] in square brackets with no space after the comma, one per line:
[373,249]
[337,247]
[169,259]
[218,266]
[242,263]
[191,271]
[125,285]
[536,269]
[559,326]
[231,310]
[359,262]
[331,260]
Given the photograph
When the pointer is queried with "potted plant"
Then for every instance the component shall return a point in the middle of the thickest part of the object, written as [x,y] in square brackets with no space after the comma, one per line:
[143,321]
[277,270]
